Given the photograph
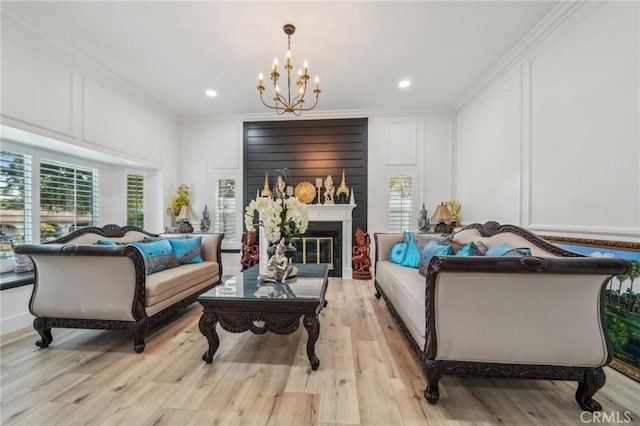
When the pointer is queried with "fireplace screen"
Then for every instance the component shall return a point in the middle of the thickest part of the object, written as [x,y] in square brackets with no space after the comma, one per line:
[316,250]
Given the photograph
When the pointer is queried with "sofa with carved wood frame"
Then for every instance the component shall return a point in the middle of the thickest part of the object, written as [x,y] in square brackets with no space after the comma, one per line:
[536,317]
[82,285]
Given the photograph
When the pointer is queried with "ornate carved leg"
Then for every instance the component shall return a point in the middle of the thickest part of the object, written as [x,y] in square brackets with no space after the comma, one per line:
[378,295]
[139,330]
[207,326]
[40,324]
[592,380]
[324,305]
[312,325]
[433,371]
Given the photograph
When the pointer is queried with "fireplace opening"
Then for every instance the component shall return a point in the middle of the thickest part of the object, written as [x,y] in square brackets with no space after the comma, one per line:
[322,244]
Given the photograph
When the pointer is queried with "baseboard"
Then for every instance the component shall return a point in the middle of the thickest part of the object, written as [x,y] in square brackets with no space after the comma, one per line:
[15,322]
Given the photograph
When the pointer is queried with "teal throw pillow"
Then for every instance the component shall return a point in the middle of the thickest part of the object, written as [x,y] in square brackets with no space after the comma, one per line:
[507,249]
[105,243]
[398,252]
[187,250]
[157,255]
[429,251]
[412,257]
[469,249]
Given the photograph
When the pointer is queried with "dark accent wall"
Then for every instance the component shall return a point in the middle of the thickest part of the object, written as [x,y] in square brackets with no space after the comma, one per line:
[309,149]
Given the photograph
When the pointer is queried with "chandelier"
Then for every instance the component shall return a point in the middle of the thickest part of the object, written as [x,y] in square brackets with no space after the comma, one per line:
[293,103]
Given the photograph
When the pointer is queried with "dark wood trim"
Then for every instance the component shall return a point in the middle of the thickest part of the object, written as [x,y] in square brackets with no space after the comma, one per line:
[109,231]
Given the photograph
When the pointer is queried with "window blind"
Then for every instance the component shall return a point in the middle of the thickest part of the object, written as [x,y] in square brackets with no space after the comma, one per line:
[68,198]
[400,209]
[225,209]
[15,200]
[135,200]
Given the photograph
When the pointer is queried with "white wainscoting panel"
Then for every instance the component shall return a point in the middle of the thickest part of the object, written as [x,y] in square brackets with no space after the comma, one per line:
[402,142]
[36,90]
[585,126]
[488,148]
[115,122]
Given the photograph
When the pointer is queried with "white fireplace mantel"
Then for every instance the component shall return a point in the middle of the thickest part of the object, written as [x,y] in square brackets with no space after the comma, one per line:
[326,213]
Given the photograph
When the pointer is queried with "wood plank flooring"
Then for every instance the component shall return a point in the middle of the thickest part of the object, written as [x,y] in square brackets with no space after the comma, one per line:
[367,376]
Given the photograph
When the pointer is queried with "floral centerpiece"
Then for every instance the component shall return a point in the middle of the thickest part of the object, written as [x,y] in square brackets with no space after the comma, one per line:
[182,199]
[454,209]
[281,218]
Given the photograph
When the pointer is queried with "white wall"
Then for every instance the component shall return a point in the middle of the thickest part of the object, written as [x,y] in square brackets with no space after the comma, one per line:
[50,92]
[553,143]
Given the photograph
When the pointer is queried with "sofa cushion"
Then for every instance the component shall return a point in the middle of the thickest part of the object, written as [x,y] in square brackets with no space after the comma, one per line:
[187,250]
[158,256]
[165,284]
[430,250]
[405,288]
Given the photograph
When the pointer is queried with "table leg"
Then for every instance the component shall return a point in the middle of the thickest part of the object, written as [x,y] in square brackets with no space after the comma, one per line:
[312,325]
[207,326]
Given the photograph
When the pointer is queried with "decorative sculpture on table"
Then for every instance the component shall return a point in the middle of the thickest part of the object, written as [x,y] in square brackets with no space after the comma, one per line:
[250,250]
[278,268]
[205,222]
[329,190]
[360,256]
[423,220]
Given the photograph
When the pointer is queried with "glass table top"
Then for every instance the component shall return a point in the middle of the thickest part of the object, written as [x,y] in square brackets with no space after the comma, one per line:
[307,285]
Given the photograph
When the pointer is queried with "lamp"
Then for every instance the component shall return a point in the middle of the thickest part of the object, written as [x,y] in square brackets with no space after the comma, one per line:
[283,103]
[186,214]
[442,214]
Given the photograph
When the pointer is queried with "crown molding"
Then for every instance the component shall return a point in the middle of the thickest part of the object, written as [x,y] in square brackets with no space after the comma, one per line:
[23,31]
[544,29]
[435,115]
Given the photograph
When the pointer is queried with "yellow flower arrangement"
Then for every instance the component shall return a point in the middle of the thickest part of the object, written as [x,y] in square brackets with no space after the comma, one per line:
[182,199]
[454,209]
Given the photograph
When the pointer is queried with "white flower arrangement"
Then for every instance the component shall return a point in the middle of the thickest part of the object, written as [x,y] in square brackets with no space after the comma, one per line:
[280,217]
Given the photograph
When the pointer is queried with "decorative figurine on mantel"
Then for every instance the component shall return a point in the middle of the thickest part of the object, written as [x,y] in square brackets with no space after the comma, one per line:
[360,256]
[423,220]
[278,268]
[205,222]
[319,186]
[266,191]
[343,191]
[329,190]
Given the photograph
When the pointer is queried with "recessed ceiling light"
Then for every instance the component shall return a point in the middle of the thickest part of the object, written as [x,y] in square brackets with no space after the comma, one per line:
[211,93]
[404,84]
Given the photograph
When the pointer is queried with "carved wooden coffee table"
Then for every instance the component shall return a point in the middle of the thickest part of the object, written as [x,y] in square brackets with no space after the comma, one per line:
[243,303]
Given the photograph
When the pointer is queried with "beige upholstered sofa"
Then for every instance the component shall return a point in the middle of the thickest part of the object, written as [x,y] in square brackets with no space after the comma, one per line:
[538,316]
[82,285]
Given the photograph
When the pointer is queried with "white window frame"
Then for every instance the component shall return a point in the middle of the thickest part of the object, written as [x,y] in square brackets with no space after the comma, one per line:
[125,184]
[412,222]
[230,242]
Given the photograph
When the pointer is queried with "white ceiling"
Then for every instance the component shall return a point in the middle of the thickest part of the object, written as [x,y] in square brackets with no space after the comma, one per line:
[174,50]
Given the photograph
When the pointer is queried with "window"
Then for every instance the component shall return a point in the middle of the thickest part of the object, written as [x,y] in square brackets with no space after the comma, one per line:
[15,201]
[400,210]
[68,198]
[135,200]
[225,209]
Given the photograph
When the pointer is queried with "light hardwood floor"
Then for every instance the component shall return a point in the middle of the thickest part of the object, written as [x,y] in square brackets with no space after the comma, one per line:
[367,376]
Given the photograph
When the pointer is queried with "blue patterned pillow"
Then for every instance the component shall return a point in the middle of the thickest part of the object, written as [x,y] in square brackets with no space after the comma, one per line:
[412,257]
[507,249]
[187,250]
[157,255]
[428,252]
[104,243]
[398,252]
[469,249]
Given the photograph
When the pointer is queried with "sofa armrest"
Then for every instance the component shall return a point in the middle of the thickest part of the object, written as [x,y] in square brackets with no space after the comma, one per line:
[519,310]
[211,247]
[86,282]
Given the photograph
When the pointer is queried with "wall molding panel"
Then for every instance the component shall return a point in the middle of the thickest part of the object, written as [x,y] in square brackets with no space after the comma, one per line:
[402,142]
